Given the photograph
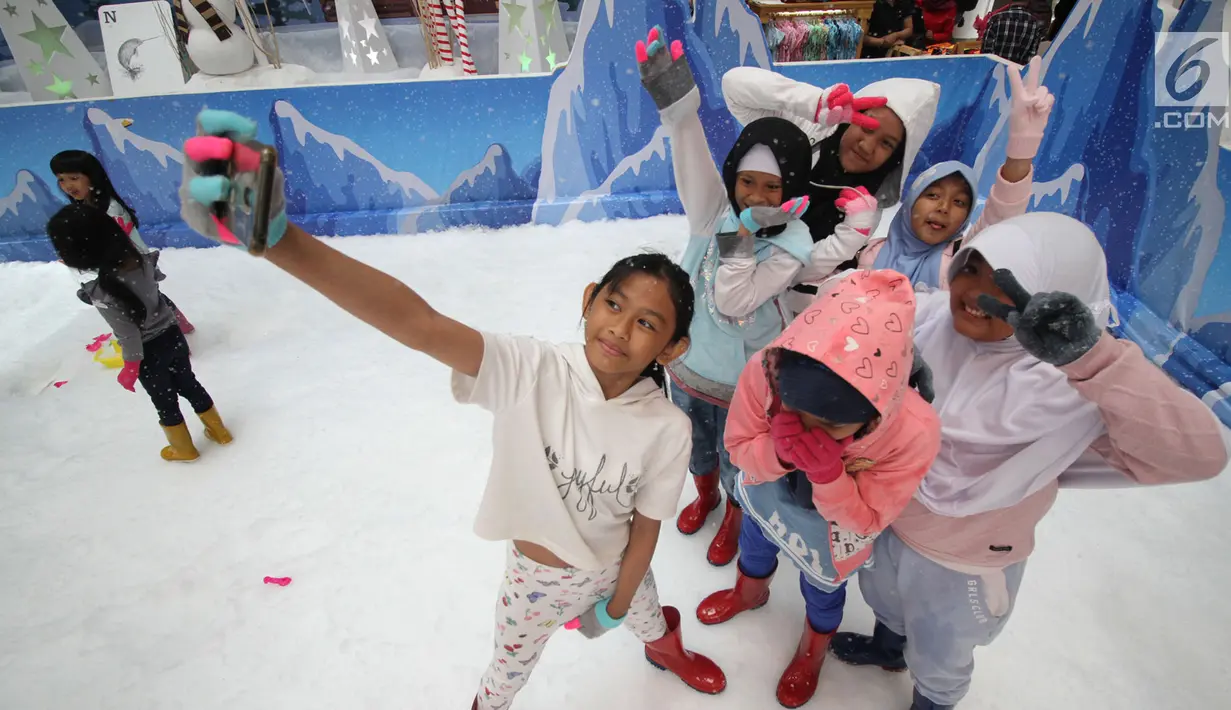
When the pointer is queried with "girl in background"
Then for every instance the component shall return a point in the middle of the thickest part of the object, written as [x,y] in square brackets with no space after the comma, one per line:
[922,239]
[1033,394]
[589,455]
[746,249]
[84,180]
[125,291]
[832,442]
[865,143]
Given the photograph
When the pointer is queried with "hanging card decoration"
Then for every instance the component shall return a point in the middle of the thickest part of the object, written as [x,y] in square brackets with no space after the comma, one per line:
[143,55]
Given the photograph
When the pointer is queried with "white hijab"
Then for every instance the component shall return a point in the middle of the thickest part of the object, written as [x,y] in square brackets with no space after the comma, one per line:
[1010,424]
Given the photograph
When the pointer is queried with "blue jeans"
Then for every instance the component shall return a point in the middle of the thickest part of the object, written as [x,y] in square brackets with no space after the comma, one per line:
[709,422]
[758,557]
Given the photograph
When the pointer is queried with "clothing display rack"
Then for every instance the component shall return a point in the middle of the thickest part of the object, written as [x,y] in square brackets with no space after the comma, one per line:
[814,31]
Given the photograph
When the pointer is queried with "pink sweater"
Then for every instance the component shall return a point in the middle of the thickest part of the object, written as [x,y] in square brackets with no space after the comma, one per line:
[1157,433]
[1007,199]
[863,325]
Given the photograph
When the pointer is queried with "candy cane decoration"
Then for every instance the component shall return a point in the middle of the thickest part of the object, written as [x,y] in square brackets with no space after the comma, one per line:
[457,17]
[440,30]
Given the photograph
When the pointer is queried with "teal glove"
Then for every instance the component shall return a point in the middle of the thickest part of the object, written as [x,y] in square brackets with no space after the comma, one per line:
[595,621]
[225,144]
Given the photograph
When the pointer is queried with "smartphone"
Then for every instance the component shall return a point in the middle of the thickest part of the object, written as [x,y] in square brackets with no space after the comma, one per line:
[246,211]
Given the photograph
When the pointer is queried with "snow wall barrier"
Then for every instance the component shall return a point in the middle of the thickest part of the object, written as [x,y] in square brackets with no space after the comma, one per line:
[585,143]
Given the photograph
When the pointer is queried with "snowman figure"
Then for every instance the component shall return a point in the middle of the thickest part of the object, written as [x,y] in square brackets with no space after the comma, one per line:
[215,43]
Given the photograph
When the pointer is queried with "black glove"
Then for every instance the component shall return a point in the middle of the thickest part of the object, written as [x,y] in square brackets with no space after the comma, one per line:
[665,74]
[1055,327]
[85,297]
[921,378]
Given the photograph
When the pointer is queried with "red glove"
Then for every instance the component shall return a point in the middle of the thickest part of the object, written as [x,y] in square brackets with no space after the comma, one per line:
[810,450]
[128,376]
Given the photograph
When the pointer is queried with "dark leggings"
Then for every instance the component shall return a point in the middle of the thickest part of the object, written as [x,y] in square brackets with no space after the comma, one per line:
[166,375]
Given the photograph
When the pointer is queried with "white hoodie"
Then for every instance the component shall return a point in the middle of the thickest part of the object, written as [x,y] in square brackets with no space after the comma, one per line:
[753,93]
[568,465]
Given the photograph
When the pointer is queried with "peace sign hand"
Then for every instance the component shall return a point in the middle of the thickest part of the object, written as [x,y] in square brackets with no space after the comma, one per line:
[1055,327]
[1028,113]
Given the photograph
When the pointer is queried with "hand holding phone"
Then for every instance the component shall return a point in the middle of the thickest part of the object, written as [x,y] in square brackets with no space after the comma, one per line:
[232,189]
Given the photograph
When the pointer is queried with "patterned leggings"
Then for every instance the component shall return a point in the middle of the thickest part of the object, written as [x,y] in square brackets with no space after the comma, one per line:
[535,601]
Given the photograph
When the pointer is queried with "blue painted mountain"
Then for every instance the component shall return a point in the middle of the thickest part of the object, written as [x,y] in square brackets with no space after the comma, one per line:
[23,215]
[327,169]
[601,123]
[145,172]
[490,194]
[27,208]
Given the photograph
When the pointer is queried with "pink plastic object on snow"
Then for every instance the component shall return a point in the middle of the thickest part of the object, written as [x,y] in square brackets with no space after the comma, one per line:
[280,581]
[98,343]
[59,384]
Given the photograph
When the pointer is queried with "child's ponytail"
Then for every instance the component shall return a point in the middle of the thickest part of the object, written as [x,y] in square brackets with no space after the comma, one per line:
[87,239]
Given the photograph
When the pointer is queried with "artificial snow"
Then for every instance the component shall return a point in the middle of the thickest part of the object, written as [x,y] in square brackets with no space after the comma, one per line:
[132,583]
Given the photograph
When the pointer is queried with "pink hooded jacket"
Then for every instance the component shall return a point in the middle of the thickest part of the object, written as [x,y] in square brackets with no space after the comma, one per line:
[862,331]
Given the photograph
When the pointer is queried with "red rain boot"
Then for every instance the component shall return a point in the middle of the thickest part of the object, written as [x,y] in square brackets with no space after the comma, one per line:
[725,546]
[693,516]
[749,593]
[798,683]
[668,654]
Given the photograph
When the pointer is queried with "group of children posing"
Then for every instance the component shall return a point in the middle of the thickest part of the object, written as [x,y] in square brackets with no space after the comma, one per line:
[798,352]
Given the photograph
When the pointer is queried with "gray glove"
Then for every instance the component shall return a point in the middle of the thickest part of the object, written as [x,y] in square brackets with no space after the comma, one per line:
[224,144]
[664,74]
[921,378]
[1055,327]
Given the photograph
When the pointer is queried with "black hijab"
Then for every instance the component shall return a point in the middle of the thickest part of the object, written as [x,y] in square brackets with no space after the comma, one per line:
[822,215]
[789,145]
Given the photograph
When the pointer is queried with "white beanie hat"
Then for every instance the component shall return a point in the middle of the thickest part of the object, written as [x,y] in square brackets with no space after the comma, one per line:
[761,159]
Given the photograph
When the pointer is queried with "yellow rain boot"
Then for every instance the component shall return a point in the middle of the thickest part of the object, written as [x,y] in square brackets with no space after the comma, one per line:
[181,448]
[215,430]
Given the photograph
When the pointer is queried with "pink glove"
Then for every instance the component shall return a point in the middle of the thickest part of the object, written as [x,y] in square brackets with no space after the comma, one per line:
[128,376]
[1028,112]
[860,208]
[839,105]
[811,450]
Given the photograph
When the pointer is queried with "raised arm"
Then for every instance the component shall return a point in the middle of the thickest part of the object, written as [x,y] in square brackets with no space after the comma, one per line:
[668,79]
[753,93]
[1029,111]
[370,295]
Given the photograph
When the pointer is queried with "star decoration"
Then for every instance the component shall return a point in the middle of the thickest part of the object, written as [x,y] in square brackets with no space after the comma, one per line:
[35,68]
[62,88]
[374,57]
[369,25]
[353,58]
[47,38]
[525,61]
[345,26]
[11,10]
[551,59]
[92,78]
[363,42]
[546,12]
[516,12]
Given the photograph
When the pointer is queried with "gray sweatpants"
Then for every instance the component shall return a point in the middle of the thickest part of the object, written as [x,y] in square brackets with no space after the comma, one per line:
[942,613]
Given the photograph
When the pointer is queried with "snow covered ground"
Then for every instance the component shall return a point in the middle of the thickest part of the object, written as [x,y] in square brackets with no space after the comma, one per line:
[130,583]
